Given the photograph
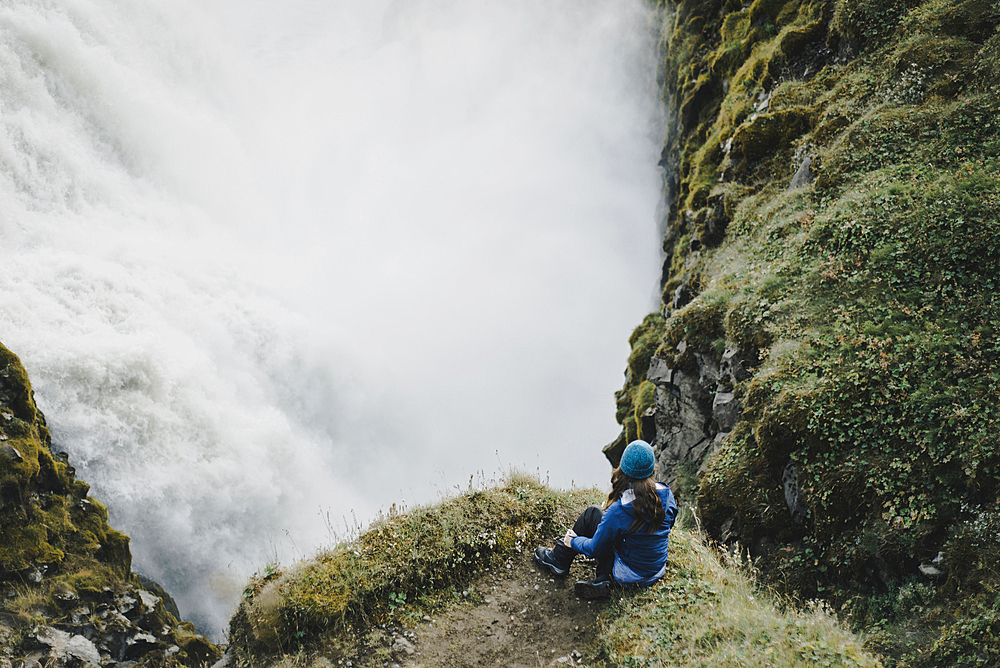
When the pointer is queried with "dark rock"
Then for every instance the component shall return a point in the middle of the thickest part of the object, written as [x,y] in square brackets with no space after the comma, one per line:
[613,450]
[80,616]
[139,645]
[682,411]
[763,547]
[659,372]
[738,364]
[126,604]
[65,596]
[682,295]
[726,410]
[154,587]
[726,533]
[803,175]
[790,481]
[7,451]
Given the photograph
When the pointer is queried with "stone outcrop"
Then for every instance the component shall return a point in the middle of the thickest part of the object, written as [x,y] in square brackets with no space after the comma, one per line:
[117,626]
[68,598]
[693,410]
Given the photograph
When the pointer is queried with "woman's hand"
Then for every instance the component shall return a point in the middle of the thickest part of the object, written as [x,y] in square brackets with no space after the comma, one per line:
[568,538]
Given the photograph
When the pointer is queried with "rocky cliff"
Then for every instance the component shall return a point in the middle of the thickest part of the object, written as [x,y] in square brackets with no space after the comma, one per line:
[67,593]
[822,379]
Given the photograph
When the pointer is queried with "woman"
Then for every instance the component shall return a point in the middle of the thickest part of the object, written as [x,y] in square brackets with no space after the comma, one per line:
[628,538]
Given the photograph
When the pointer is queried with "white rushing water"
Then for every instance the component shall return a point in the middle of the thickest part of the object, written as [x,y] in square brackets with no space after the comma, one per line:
[271,264]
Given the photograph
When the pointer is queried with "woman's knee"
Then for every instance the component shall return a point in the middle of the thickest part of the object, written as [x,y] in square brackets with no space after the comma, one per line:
[586,525]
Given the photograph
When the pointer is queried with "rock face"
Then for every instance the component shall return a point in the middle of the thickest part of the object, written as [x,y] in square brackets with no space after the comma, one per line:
[68,598]
[694,409]
[683,414]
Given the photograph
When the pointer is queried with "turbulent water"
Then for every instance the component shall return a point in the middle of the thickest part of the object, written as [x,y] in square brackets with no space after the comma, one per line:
[271,265]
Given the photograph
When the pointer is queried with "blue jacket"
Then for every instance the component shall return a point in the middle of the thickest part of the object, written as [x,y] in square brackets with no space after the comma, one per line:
[640,557]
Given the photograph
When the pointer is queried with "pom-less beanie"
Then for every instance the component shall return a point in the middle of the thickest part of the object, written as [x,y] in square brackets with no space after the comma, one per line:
[638,460]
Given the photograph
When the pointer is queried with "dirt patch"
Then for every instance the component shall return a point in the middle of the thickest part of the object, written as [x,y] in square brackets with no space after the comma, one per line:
[520,617]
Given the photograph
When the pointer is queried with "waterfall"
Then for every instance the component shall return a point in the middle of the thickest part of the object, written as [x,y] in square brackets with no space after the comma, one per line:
[270,266]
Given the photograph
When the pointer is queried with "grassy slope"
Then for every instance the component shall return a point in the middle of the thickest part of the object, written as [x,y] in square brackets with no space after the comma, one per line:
[708,612]
[404,563]
[870,294]
[704,613]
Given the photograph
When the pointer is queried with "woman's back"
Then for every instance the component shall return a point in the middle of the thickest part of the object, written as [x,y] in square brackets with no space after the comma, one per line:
[641,554]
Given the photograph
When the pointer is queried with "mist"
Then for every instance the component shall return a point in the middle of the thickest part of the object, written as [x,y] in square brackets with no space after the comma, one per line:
[273,268]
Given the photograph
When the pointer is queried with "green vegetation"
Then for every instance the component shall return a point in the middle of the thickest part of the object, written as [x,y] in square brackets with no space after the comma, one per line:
[869,294]
[46,516]
[637,395]
[707,611]
[403,565]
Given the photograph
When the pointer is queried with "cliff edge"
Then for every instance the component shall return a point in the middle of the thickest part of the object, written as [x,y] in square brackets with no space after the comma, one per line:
[68,597]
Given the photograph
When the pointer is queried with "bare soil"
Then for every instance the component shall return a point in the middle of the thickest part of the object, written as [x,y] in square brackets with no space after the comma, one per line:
[520,617]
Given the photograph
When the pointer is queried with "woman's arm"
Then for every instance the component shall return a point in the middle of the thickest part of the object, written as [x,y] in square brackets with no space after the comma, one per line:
[608,531]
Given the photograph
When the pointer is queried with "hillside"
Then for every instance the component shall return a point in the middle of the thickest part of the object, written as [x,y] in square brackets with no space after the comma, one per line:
[454,584]
[822,379]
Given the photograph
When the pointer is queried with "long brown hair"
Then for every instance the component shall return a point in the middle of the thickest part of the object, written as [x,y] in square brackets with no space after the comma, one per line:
[647,506]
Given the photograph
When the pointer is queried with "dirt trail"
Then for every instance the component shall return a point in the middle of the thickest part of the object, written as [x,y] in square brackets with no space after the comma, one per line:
[520,617]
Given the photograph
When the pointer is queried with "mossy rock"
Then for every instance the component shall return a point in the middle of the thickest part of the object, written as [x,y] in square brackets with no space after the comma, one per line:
[46,514]
[766,139]
[974,20]
[866,24]
[740,488]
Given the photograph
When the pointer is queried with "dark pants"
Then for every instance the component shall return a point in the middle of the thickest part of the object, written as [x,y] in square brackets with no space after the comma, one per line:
[586,525]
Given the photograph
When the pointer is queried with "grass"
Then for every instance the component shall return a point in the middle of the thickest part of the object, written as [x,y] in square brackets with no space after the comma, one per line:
[404,565]
[709,612]
[706,611]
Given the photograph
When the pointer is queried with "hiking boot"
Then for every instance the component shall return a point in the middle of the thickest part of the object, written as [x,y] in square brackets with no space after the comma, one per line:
[547,558]
[591,589]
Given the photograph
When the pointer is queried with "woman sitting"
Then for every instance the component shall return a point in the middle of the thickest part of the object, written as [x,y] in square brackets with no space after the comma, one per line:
[628,538]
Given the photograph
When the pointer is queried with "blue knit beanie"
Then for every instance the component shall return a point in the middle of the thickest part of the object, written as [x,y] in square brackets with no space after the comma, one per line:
[638,460]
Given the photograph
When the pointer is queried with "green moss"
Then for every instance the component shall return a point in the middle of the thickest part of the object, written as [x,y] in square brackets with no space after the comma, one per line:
[46,513]
[400,561]
[644,341]
[867,24]
[20,546]
[763,143]
[869,294]
[699,324]
[20,398]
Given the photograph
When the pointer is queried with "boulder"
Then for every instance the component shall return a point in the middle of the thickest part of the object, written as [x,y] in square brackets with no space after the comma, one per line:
[65,650]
